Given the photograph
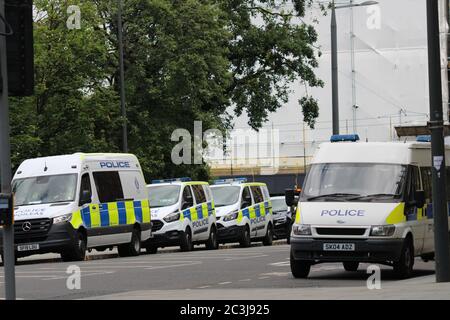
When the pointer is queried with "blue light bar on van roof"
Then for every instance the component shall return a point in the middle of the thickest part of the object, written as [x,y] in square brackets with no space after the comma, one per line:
[344,137]
[423,139]
[183,179]
[228,181]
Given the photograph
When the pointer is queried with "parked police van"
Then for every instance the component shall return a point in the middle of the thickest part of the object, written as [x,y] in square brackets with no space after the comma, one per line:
[183,214]
[282,218]
[365,202]
[70,203]
[244,211]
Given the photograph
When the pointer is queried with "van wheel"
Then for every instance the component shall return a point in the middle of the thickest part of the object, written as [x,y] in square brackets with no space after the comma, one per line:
[268,239]
[133,248]
[351,265]
[186,241]
[151,249]
[300,268]
[245,241]
[404,267]
[78,251]
[288,235]
[212,243]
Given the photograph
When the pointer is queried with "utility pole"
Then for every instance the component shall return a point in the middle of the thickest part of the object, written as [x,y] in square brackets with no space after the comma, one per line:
[304,149]
[5,165]
[352,58]
[334,71]
[122,78]
[436,125]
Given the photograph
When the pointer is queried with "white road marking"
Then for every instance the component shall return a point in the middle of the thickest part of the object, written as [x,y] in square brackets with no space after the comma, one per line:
[223,283]
[280,264]
[276,274]
[204,287]
[245,280]
[262,278]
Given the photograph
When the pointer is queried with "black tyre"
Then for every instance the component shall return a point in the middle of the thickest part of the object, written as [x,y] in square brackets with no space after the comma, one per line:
[133,248]
[403,268]
[300,268]
[351,265]
[78,250]
[268,238]
[212,243]
[288,235]
[151,249]
[186,241]
[245,240]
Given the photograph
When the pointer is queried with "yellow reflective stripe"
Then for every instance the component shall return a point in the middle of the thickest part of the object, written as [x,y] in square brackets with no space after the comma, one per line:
[240,216]
[113,214]
[397,215]
[262,209]
[94,213]
[129,210]
[146,216]
[76,220]
[194,216]
[252,212]
[205,212]
[420,214]
[298,217]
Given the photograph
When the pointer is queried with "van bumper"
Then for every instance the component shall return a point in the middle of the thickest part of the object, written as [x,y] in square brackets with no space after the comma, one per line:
[366,250]
[229,234]
[167,239]
[58,238]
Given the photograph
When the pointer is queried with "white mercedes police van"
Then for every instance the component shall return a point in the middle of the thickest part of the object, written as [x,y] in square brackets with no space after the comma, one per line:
[70,203]
[365,202]
[183,214]
[244,211]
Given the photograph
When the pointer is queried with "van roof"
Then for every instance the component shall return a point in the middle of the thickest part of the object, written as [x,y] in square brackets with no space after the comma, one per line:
[244,184]
[180,183]
[65,164]
[372,152]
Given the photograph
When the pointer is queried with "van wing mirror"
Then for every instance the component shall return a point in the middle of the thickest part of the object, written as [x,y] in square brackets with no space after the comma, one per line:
[290,197]
[419,197]
[85,197]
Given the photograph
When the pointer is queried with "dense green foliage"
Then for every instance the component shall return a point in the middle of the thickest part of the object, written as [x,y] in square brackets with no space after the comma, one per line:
[185,60]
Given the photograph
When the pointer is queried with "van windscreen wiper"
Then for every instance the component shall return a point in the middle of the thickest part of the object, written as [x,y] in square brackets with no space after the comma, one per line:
[333,195]
[376,195]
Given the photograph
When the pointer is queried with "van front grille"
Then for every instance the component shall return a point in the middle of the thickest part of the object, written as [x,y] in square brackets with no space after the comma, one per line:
[340,231]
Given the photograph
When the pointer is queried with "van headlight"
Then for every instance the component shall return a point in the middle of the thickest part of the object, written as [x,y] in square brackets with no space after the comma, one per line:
[382,231]
[301,230]
[63,218]
[231,216]
[174,216]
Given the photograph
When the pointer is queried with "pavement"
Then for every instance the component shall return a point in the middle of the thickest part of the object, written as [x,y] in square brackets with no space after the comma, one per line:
[231,273]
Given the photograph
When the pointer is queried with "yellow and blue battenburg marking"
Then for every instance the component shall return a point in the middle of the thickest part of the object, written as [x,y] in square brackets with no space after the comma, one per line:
[199,212]
[112,214]
[256,211]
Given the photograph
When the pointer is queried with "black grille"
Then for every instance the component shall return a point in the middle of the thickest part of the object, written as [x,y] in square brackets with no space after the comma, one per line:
[38,229]
[340,231]
[157,225]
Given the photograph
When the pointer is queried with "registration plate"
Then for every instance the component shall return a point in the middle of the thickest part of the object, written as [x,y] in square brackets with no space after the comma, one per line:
[339,247]
[28,247]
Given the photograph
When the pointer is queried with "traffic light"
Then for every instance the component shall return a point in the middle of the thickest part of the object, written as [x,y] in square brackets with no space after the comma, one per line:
[20,53]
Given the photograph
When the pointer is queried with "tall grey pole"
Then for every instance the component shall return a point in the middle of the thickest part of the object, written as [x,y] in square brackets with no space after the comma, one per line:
[436,125]
[122,79]
[5,168]
[334,71]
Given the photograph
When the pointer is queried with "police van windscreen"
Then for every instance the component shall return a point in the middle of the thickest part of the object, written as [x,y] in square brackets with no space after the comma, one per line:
[354,182]
[163,196]
[279,205]
[225,195]
[45,189]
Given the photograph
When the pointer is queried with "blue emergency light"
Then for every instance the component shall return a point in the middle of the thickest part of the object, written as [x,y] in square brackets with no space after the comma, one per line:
[344,137]
[423,139]
[183,179]
[229,181]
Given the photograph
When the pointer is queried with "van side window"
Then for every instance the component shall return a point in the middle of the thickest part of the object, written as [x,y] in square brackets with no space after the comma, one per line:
[188,201]
[413,184]
[246,198]
[199,193]
[85,185]
[257,194]
[109,187]
[426,181]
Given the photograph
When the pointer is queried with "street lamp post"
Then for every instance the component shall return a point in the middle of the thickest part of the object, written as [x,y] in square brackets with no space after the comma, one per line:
[334,60]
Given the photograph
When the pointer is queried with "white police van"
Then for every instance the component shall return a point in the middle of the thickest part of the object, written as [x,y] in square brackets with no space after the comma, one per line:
[365,202]
[244,211]
[183,214]
[70,203]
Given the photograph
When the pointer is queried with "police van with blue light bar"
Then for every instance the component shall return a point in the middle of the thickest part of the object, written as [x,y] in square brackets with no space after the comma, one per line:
[365,202]
[244,211]
[183,214]
[72,203]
